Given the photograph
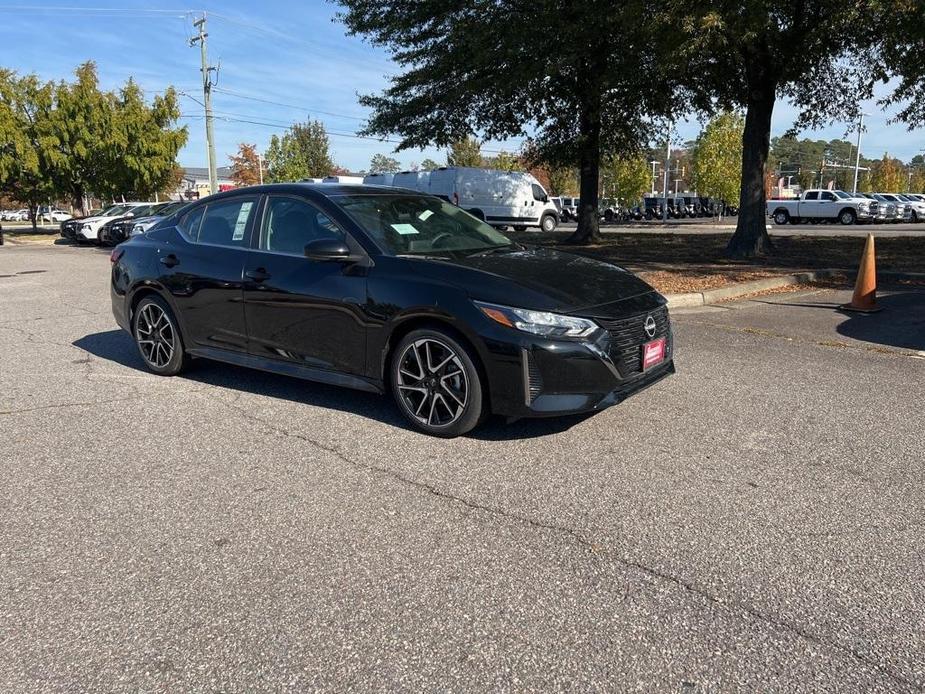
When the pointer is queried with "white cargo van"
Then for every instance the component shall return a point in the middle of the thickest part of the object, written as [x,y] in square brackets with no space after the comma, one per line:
[379,179]
[415,180]
[498,197]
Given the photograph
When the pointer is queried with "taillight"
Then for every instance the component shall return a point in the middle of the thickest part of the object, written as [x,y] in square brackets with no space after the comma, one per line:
[115,255]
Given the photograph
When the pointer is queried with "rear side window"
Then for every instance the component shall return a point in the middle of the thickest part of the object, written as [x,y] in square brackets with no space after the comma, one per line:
[828,196]
[221,223]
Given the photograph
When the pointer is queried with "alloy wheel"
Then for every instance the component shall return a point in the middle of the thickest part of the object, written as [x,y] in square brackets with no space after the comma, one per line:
[155,335]
[432,382]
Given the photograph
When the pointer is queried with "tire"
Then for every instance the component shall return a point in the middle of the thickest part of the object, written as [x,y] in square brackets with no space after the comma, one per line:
[914,218]
[519,227]
[157,336]
[847,216]
[451,394]
[781,217]
[608,215]
[548,223]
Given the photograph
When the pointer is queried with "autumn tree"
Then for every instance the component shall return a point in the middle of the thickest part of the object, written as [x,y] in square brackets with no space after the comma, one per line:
[717,158]
[466,151]
[380,163]
[302,152]
[625,178]
[504,161]
[563,180]
[887,175]
[429,165]
[246,165]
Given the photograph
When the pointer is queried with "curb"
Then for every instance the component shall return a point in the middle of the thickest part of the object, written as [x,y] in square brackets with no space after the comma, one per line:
[713,296]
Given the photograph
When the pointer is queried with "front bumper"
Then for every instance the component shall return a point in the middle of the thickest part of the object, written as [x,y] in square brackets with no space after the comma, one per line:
[541,378]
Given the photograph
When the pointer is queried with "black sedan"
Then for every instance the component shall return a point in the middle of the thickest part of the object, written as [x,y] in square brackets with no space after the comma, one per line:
[387,289]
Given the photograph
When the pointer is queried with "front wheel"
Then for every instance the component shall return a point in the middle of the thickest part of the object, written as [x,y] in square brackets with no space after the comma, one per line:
[914,218]
[548,223]
[158,337]
[436,384]
[847,217]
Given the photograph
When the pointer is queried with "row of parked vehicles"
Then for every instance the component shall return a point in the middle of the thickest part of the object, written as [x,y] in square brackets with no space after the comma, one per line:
[679,207]
[817,206]
[43,215]
[118,222]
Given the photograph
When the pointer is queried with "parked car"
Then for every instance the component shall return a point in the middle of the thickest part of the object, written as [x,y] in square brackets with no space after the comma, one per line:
[883,212]
[823,205]
[118,229]
[389,291]
[903,208]
[570,208]
[16,216]
[139,225]
[915,204]
[379,179]
[52,214]
[87,228]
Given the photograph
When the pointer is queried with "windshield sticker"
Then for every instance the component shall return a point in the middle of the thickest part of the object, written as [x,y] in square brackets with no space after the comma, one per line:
[241,223]
[425,215]
[405,229]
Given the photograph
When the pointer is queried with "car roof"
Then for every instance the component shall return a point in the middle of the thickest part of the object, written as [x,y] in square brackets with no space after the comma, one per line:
[327,190]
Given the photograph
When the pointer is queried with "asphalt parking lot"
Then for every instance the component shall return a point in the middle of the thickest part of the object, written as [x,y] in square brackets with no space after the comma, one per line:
[752,523]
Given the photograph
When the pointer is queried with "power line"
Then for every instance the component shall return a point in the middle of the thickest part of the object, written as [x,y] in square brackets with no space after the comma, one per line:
[231,92]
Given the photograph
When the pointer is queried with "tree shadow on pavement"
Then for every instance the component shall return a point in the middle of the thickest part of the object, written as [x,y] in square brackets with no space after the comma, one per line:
[901,323]
[116,346]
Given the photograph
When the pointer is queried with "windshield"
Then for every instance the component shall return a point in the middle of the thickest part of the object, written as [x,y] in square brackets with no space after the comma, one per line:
[169,208]
[420,225]
[842,194]
[113,211]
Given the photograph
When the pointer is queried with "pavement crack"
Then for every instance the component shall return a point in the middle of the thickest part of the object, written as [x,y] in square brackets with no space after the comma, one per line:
[582,541]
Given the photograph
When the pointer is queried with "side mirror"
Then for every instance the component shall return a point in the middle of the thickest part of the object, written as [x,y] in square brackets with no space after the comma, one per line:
[328,250]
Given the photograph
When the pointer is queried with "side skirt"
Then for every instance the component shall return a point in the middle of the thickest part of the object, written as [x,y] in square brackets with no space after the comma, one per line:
[283,368]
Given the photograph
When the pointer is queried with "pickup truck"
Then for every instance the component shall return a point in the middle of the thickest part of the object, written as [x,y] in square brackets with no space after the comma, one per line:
[823,206]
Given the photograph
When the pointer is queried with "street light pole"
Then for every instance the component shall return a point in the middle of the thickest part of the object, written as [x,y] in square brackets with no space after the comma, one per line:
[667,166]
[857,157]
[654,163]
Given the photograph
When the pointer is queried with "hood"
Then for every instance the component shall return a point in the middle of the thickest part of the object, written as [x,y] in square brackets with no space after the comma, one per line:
[569,282]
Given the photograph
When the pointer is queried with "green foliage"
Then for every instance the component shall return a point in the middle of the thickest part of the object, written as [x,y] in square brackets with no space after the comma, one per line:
[504,161]
[302,152]
[803,159]
[717,157]
[625,178]
[71,139]
[429,165]
[465,152]
[383,164]
[887,175]
[563,180]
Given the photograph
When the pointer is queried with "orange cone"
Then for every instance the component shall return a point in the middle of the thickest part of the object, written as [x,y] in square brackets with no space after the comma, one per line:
[865,288]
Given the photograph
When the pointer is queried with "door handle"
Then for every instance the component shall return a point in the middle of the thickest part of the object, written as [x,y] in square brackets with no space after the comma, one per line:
[170,260]
[258,275]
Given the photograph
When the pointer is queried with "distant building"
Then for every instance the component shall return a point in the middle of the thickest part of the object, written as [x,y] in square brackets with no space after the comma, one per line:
[195,182]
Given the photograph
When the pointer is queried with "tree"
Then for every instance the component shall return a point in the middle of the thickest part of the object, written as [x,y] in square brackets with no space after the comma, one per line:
[747,54]
[563,180]
[476,69]
[302,152]
[717,157]
[504,161]
[26,140]
[141,145]
[245,165]
[625,178]
[383,164]
[465,152]
[429,165]
[887,175]
[917,180]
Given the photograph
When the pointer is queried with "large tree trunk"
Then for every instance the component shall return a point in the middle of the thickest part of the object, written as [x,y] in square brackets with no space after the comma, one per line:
[589,151]
[751,235]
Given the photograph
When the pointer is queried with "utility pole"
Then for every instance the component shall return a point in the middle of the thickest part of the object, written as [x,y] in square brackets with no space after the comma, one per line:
[654,175]
[857,158]
[260,166]
[207,100]
[667,166]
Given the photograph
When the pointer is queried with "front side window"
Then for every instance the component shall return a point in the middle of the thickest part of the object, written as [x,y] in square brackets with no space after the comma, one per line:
[538,192]
[812,195]
[289,224]
[420,225]
[221,223]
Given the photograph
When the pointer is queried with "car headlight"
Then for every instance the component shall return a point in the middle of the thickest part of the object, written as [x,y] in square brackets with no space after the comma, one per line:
[86,227]
[541,323]
[137,229]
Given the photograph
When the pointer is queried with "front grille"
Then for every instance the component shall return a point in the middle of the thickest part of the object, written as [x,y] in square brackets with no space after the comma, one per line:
[627,335]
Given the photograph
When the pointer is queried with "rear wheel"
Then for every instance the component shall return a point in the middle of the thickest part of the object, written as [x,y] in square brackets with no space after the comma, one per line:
[436,384]
[158,337]
[519,227]
[781,217]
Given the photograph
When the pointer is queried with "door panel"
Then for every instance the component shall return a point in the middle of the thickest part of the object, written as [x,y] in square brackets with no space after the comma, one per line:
[301,310]
[202,269]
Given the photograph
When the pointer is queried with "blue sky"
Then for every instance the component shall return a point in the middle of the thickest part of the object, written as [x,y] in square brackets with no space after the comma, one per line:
[285,52]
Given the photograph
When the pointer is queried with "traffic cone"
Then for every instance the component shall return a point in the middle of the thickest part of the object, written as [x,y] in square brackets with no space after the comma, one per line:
[865,288]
